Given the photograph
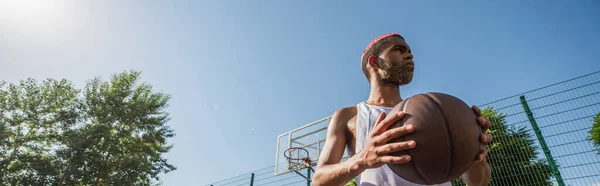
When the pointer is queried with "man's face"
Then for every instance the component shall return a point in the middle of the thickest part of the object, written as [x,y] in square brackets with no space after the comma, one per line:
[396,63]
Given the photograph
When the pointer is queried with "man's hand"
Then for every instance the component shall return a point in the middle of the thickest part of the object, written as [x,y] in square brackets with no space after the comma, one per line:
[376,150]
[480,171]
[485,138]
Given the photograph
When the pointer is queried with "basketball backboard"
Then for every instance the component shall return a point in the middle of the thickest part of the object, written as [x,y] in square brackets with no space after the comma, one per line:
[310,137]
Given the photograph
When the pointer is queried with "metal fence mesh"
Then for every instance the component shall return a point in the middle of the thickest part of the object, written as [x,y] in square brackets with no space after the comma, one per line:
[540,138]
[265,177]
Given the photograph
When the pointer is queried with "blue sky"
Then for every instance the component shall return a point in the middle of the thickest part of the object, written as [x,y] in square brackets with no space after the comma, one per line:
[243,72]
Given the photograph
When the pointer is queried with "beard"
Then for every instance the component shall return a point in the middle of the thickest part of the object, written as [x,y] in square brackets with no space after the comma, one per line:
[396,74]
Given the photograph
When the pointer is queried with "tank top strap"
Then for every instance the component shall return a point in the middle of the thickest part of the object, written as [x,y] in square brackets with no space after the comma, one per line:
[362,124]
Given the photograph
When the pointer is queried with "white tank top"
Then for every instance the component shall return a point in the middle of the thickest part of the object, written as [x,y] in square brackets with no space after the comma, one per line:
[382,176]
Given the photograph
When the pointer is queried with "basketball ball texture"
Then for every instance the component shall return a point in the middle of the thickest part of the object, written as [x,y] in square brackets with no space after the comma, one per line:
[447,137]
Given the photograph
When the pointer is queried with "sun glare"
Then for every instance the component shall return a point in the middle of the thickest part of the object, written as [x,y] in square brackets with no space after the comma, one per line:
[31,11]
[32,16]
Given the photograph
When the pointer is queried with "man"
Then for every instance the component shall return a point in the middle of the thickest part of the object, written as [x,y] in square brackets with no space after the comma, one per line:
[387,62]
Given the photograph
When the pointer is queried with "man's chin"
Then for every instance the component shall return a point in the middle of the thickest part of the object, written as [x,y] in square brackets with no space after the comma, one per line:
[399,79]
[406,79]
[398,83]
[405,83]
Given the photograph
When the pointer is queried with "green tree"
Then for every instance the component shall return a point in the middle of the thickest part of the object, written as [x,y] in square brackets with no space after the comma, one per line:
[110,133]
[352,182]
[595,133]
[32,117]
[512,155]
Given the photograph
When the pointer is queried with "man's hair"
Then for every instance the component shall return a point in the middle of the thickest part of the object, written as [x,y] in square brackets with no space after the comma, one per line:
[375,48]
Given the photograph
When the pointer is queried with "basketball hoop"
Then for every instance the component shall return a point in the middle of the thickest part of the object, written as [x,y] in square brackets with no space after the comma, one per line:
[298,159]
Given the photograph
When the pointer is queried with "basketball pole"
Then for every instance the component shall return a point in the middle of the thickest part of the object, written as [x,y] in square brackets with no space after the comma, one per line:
[308,174]
[540,138]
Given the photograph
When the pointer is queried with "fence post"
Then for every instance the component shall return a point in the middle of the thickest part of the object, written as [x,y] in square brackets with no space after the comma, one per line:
[540,138]
[252,179]
[308,175]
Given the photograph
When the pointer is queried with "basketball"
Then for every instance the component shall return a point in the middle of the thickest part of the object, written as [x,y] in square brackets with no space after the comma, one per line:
[447,137]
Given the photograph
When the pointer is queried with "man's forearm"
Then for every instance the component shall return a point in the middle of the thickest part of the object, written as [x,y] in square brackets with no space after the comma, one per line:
[478,175]
[337,174]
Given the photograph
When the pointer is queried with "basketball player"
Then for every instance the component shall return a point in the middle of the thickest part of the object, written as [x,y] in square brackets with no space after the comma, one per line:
[387,63]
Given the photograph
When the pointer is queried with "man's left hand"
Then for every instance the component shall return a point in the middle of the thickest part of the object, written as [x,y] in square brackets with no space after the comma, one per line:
[480,171]
[484,138]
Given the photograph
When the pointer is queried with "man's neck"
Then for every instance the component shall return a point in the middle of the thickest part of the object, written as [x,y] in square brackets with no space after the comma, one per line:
[386,95]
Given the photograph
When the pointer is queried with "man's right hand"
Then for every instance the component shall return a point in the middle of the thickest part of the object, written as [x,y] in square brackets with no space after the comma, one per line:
[376,149]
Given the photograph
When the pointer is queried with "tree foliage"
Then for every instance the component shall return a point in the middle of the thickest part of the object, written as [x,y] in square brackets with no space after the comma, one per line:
[109,133]
[352,182]
[512,155]
[595,133]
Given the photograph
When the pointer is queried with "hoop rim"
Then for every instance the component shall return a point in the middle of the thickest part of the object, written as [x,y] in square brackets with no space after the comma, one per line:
[295,148]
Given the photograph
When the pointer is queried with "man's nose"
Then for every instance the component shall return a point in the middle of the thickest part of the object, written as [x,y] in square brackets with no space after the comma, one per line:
[408,56]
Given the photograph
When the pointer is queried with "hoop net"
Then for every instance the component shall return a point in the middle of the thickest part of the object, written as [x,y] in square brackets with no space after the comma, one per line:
[297,158]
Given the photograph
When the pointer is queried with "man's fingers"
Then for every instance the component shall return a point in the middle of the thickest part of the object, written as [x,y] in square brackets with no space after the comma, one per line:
[395,159]
[484,123]
[379,119]
[393,147]
[476,110]
[393,133]
[481,156]
[485,138]
[385,123]
[378,123]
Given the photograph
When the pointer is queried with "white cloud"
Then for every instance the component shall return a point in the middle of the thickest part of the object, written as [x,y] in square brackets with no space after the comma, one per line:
[216,107]
[252,129]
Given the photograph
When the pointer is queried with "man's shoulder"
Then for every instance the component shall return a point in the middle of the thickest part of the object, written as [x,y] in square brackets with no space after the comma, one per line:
[345,113]
[344,116]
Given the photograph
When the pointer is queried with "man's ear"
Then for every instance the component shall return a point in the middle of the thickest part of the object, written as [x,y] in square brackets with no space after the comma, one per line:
[372,60]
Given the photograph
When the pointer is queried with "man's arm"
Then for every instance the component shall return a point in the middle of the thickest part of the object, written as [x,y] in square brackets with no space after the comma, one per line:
[478,175]
[329,169]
